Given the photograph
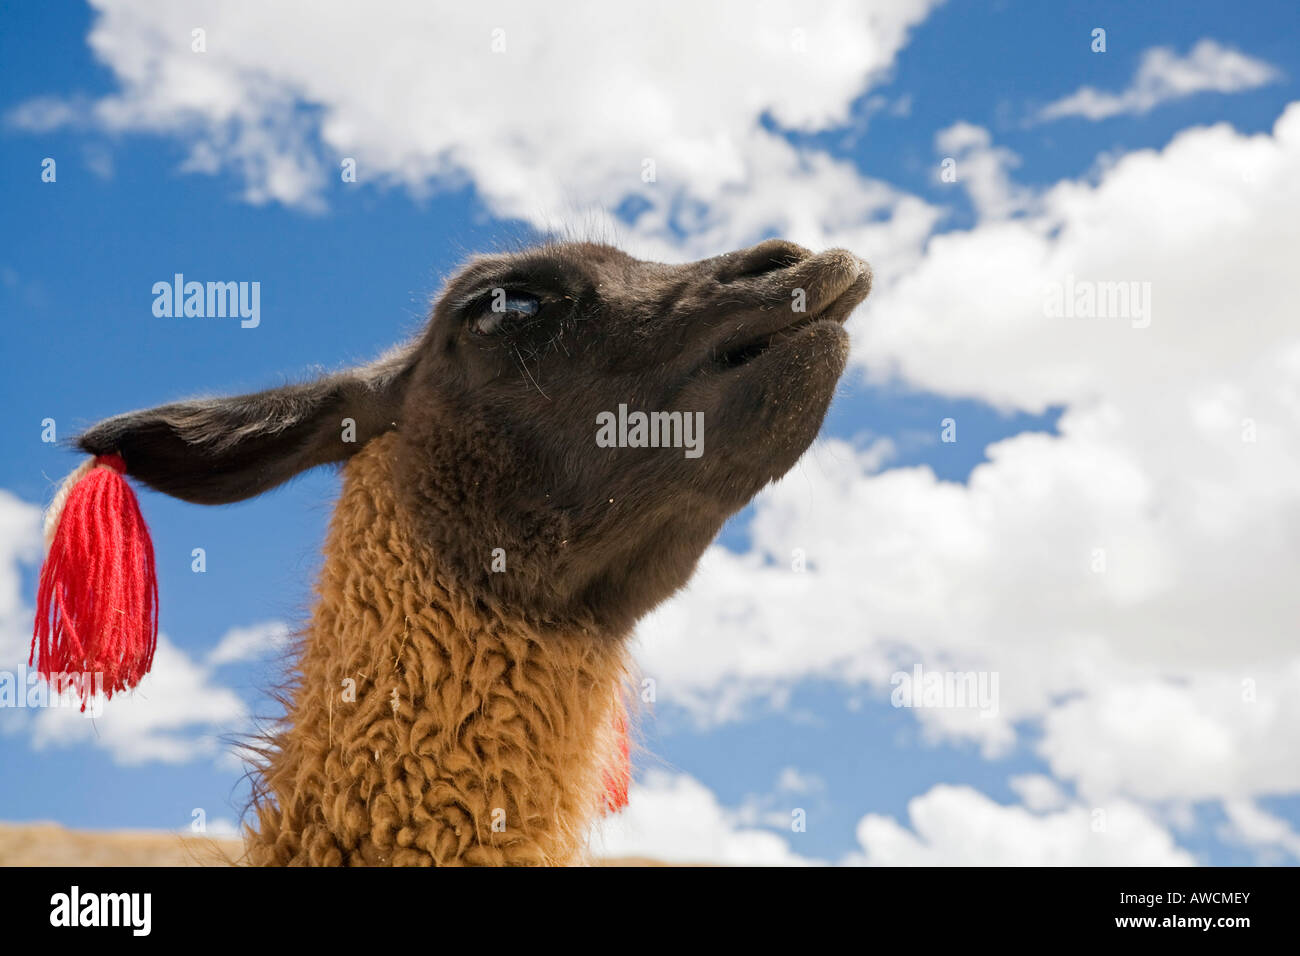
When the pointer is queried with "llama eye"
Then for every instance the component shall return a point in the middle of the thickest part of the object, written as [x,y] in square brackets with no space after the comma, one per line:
[503,307]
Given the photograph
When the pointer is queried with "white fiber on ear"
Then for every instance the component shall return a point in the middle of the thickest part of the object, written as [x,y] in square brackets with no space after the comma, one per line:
[55,510]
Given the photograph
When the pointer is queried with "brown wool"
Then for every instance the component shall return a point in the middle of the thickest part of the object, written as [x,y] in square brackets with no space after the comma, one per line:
[494,752]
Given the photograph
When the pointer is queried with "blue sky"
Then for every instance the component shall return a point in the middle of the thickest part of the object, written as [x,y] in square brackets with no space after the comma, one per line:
[348,269]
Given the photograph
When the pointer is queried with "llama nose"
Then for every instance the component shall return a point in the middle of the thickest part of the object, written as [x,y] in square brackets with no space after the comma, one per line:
[770,255]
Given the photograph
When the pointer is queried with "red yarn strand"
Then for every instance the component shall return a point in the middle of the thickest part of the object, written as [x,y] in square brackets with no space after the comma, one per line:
[618,778]
[97,603]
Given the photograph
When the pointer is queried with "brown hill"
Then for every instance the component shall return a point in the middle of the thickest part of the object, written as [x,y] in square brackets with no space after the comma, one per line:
[48,844]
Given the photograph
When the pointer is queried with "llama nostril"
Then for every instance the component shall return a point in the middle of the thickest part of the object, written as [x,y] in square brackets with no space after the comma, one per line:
[770,256]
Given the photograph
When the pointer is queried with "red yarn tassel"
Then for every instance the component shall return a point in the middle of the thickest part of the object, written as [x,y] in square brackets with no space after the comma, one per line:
[618,778]
[97,606]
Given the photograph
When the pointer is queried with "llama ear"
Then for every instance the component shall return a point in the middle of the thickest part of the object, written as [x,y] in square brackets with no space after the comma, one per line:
[218,450]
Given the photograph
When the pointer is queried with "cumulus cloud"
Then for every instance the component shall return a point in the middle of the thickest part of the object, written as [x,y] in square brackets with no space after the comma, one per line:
[676,819]
[249,643]
[1164,76]
[1252,826]
[1038,792]
[542,109]
[1201,737]
[959,826]
[178,713]
[1129,580]
[20,545]
[794,780]
[984,170]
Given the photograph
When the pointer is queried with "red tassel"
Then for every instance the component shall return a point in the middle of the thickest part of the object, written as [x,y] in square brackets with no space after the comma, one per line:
[618,778]
[97,606]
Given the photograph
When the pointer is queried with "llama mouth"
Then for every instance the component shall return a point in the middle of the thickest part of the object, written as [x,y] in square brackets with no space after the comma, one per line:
[832,315]
[747,352]
[845,280]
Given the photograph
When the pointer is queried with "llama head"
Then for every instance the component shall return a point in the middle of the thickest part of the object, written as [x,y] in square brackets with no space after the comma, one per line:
[573,425]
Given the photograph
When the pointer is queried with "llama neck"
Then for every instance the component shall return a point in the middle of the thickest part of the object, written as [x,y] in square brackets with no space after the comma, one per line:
[424,728]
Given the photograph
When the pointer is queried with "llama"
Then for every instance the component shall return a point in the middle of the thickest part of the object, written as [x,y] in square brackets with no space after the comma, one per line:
[457,694]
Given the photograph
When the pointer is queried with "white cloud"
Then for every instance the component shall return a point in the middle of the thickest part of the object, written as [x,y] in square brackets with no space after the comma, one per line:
[1163,76]
[674,818]
[959,826]
[1198,738]
[794,780]
[983,170]
[175,715]
[542,108]
[20,545]
[1251,825]
[1174,458]
[1039,792]
[281,98]
[250,643]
